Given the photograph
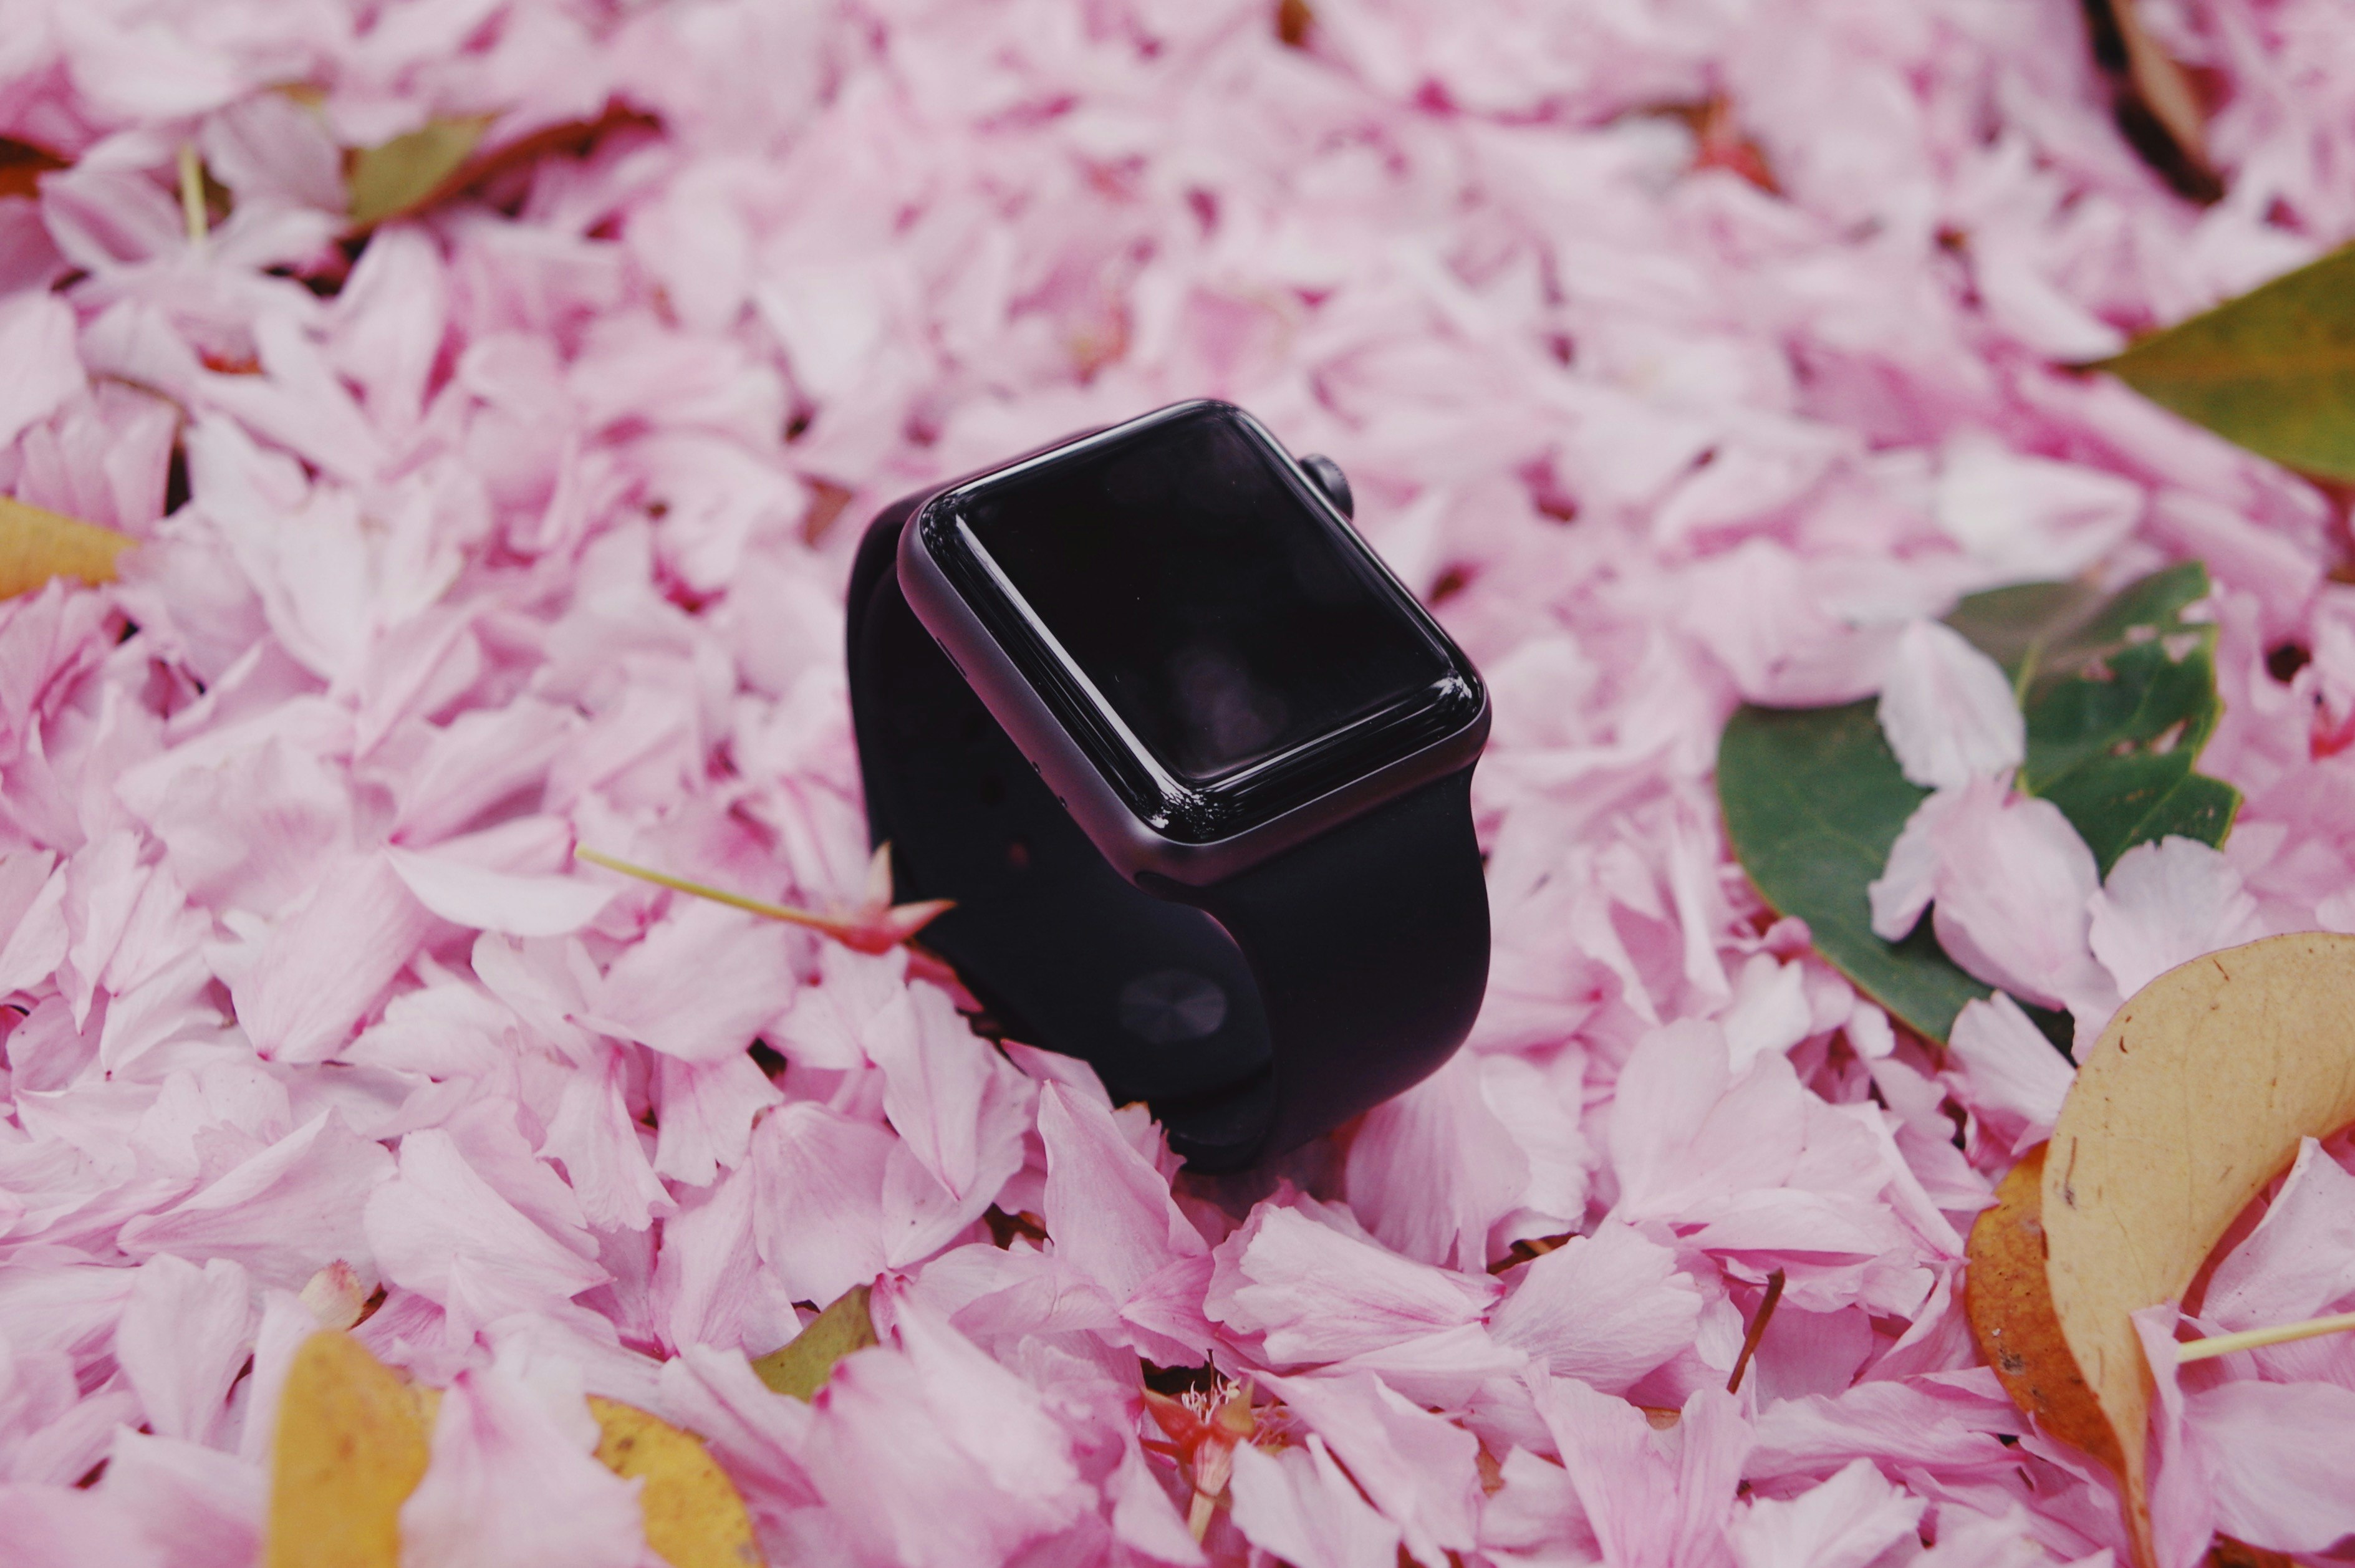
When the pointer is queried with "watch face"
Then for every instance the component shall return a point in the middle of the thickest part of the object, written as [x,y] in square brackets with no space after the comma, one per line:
[1220,642]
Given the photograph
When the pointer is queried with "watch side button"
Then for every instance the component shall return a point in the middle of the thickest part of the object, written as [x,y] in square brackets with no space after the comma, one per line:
[1332,481]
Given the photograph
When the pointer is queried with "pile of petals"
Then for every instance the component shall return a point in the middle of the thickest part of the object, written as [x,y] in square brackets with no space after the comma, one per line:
[1681,352]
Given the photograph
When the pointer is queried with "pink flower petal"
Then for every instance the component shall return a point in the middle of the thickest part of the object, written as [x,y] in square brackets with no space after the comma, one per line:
[1315,1288]
[1433,1171]
[36,341]
[1299,1506]
[2007,1072]
[440,1229]
[2164,905]
[486,900]
[700,985]
[284,1213]
[1849,1522]
[1604,1308]
[1948,709]
[2272,1450]
[183,1341]
[514,1481]
[1417,1467]
[1113,1220]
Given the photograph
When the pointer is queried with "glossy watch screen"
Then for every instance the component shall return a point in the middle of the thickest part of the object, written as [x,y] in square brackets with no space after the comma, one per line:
[1212,605]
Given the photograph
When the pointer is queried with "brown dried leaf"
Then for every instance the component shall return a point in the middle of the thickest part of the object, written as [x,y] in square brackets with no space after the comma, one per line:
[2011,1310]
[350,1448]
[37,545]
[801,1367]
[1293,23]
[22,164]
[695,1517]
[2153,100]
[2195,1097]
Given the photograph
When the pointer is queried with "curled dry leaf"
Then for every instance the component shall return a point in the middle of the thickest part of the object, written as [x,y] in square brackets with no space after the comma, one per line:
[2010,1305]
[801,1367]
[351,1446]
[407,172]
[695,1517]
[37,545]
[354,1438]
[2153,100]
[2195,1097]
[444,158]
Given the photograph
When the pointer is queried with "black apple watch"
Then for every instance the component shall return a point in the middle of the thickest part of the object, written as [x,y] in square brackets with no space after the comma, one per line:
[1194,767]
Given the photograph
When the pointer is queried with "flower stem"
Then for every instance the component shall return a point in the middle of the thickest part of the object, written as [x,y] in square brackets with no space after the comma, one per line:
[717,895]
[2255,1338]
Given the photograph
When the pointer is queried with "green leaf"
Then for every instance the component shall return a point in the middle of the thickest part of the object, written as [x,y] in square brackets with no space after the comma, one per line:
[801,1367]
[2120,696]
[2273,370]
[404,173]
[1813,799]
[2014,625]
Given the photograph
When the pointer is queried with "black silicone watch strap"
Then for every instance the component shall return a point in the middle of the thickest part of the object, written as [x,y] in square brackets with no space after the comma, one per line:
[1255,1013]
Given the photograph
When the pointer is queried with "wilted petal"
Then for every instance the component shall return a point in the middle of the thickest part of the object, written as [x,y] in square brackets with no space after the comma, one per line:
[1652,1496]
[934,1455]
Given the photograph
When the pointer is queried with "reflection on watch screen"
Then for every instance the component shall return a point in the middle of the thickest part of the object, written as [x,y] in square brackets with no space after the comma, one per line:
[1206,598]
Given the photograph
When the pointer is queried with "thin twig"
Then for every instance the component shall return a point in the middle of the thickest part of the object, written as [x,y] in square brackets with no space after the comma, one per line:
[2256,1338]
[192,194]
[1757,1330]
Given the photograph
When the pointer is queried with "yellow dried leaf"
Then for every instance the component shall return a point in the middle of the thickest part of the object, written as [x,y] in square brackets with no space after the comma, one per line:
[2196,1096]
[37,545]
[406,172]
[802,1366]
[695,1517]
[350,1448]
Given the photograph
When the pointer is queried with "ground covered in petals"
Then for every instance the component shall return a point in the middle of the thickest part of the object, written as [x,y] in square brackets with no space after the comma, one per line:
[1681,353]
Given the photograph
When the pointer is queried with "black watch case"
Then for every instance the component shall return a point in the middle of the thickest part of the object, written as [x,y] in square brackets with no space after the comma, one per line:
[1188,641]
